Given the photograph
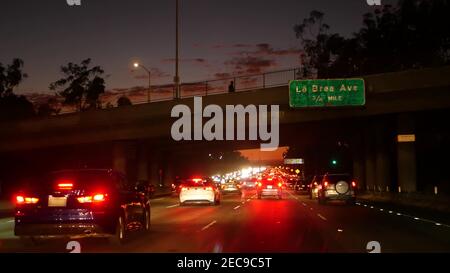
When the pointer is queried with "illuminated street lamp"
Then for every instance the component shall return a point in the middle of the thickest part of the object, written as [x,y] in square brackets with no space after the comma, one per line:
[137,65]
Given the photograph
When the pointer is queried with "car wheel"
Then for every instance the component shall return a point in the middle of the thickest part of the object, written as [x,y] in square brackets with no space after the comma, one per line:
[119,238]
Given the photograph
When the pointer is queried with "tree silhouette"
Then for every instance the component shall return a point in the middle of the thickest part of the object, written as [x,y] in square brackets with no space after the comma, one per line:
[413,34]
[81,85]
[123,101]
[12,106]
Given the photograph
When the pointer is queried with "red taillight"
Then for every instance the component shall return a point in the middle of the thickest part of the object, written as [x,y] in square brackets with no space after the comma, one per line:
[99,197]
[325,184]
[280,184]
[20,199]
[259,184]
[353,184]
[26,200]
[96,198]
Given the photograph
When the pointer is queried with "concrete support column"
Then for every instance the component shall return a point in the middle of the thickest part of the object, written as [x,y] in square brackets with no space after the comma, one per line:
[142,163]
[154,168]
[406,155]
[382,159]
[359,172]
[168,173]
[124,159]
[119,160]
[369,144]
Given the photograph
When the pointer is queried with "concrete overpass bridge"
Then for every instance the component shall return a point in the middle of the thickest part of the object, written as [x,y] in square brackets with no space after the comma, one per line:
[136,139]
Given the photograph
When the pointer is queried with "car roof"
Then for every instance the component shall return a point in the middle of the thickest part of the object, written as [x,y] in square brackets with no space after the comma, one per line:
[109,171]
[337,174]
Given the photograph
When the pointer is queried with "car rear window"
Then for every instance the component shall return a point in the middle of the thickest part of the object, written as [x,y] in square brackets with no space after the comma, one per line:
[196,183]
[79,179]
[336,178]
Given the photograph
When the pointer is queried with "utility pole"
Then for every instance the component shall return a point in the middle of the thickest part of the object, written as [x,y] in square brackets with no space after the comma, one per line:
[177,76]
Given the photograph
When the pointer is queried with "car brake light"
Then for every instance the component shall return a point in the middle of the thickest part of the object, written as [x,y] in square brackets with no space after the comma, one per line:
[99,198]
[96,198]
[325,183]
[280,184]
[26,200]
[196,180]
[259,184]
[65,186]
[20,199]
[353,184]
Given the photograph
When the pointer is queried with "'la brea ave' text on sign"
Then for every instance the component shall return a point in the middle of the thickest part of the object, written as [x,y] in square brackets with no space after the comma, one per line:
[330,92]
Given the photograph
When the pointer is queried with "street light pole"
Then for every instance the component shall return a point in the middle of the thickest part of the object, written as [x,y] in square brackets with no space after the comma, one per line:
[149,90]
[177,76]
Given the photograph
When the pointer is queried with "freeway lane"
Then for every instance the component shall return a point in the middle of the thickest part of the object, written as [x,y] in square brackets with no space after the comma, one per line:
[246,224]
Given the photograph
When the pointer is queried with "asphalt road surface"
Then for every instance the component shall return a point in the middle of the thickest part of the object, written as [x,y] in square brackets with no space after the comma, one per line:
[242,223]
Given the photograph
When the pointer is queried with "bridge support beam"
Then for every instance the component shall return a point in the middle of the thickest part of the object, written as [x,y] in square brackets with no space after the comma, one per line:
[406,155]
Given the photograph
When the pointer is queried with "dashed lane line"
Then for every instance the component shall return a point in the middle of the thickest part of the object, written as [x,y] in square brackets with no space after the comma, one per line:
[209,225]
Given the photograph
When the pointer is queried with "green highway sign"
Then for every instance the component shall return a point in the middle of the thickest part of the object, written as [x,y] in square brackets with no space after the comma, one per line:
[324,93]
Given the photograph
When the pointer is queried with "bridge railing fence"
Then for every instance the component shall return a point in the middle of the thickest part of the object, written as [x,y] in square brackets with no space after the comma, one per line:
[141,95]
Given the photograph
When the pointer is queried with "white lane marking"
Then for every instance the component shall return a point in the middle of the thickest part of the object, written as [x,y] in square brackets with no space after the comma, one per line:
[176,205]
[209,225]
[321,217]
[412,217]
[235,208]
[6,222]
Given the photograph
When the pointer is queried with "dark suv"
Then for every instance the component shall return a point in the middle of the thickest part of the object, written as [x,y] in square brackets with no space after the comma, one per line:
[82,202]
[337,187]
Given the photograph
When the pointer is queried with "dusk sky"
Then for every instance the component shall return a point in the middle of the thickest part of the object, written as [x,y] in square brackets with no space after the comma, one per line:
[217,37]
